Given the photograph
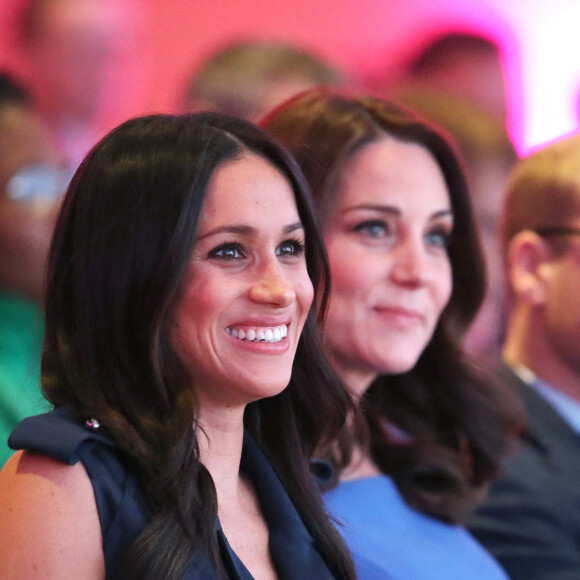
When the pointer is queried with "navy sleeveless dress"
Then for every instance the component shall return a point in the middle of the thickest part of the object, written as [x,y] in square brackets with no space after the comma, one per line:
[124,510]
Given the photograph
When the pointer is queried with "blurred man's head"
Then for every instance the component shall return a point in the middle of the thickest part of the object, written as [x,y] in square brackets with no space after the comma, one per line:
[541,238]
[464,64]
[31,181]
[70,47]
[248,79]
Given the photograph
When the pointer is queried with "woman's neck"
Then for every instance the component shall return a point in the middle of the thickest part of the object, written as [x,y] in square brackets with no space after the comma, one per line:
[361,464]
[220,437]
[356,380]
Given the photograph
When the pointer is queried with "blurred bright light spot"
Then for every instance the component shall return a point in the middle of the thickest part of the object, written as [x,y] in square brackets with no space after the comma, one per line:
[549,47]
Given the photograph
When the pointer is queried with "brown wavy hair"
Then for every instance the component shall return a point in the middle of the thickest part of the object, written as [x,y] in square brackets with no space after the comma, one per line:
[457,420]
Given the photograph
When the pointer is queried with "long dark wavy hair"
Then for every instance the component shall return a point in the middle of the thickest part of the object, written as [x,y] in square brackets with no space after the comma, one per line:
[457,420]
[122,244]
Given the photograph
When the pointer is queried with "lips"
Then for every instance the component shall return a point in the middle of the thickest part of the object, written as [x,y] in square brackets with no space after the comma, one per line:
[400,315]
[400,310]
[271,334]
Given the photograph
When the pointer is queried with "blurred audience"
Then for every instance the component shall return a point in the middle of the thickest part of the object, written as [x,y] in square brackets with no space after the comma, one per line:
[457,83]
[31,181]
[531,521]
[465,64]
[71,51]
[247,79]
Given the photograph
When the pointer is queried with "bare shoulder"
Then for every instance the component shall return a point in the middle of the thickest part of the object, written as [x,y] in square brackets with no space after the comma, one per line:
[49,523]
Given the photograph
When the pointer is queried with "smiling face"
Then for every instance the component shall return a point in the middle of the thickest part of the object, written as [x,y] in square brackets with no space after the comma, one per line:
[247,293]
[386,232]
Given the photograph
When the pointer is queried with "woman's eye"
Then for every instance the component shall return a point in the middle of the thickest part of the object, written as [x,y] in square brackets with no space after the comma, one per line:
[227,252]
[290,248]
[438,238]
[373,228]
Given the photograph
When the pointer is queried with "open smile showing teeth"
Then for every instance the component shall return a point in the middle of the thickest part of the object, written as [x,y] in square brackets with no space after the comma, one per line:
[259,334]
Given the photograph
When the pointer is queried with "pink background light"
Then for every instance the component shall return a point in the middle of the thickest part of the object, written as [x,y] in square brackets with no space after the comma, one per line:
[367,37]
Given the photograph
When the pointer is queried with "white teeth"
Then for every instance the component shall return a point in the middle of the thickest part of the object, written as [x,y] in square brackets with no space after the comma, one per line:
[267,334]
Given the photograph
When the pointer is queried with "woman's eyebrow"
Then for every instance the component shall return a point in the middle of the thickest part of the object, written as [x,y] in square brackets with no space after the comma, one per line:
[293,227]
[443,213]
[228,229]
[389,209]
[246,230]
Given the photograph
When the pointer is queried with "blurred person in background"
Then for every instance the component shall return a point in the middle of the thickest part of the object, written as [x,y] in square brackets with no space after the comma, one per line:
[531,519]
[31,182]
[247,79]
[182,360]
[74,55]
[465,64]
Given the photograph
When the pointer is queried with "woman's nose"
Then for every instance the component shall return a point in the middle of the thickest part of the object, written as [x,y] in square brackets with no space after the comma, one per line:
[272,288]
[410,265]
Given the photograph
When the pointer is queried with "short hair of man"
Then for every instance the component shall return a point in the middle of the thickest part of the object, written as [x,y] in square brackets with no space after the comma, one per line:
[232,77]
[543,190]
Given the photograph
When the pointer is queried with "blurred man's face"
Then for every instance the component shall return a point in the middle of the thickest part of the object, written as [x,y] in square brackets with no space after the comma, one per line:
[74,47]
[561,310]
[27,222]
[23,142]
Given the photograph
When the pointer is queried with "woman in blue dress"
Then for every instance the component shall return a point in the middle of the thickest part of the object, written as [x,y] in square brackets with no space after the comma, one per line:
[182,360]
[407,279]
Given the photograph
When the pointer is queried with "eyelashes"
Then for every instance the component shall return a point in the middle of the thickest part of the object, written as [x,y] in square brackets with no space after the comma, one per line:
[234,251]
[227,252]
[293,247]
[374,229]
[438,236]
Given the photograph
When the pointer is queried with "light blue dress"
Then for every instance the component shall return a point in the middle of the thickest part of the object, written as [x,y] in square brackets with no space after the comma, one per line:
[390,540]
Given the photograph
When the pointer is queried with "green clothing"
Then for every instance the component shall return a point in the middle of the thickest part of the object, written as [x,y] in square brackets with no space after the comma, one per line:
[21,332]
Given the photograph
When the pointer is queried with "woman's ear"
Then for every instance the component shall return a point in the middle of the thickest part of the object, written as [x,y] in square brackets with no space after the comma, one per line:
[527,254]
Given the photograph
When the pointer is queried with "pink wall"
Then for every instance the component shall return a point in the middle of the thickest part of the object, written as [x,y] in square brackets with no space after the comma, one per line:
[365,37]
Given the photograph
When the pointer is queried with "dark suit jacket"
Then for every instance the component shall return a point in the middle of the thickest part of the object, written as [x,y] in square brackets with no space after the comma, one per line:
[531,519]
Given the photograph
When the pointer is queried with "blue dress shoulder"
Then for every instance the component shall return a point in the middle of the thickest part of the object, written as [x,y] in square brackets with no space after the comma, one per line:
[124,510]
[388,539]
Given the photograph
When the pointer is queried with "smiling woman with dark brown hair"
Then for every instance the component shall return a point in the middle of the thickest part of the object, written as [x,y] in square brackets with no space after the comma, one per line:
[407,279]
[182,359]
